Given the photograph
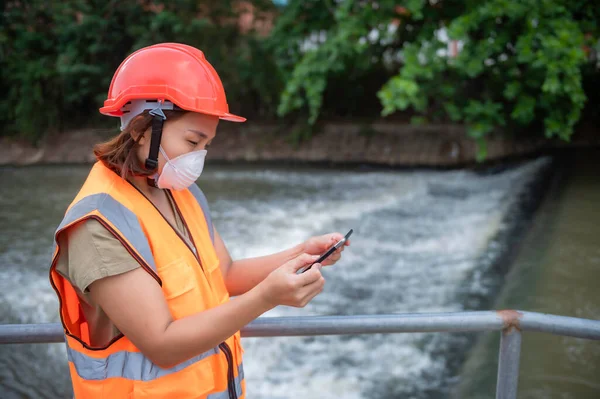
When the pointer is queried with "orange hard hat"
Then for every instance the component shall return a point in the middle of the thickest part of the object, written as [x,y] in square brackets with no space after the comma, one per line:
[170,73]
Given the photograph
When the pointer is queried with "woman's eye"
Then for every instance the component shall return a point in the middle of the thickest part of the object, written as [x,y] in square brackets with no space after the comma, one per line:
[194,143]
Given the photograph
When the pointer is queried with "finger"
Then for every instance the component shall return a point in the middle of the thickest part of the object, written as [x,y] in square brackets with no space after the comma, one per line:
[327,240]
[306,300]
[335,237]
[310,291]
[299,262]
[310,276]
[332,259]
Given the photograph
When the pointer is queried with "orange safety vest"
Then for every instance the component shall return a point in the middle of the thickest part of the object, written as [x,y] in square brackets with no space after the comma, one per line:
[191,281]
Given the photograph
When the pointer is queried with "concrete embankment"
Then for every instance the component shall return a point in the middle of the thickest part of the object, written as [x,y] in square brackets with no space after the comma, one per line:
[390,144]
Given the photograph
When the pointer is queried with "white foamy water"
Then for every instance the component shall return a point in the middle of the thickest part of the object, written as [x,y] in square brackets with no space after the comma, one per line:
[421,240]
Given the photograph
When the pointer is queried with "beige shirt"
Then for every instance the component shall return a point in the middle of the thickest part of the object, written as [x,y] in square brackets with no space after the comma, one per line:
[89,252]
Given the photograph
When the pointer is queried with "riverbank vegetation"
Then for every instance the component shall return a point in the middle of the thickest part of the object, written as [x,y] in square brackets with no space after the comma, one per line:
[497,66]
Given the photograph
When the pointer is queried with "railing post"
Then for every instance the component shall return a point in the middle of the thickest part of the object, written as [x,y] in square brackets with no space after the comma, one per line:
[508,363]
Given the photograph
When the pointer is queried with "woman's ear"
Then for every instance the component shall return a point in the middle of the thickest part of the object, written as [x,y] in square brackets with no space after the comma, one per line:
[139,137]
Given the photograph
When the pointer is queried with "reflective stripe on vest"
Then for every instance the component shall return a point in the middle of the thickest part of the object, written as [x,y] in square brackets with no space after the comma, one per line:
[126,221]
[136,366]
[122,218]
[124,364]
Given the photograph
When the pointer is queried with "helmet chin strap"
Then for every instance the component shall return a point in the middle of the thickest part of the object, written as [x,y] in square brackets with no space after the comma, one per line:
[158,120]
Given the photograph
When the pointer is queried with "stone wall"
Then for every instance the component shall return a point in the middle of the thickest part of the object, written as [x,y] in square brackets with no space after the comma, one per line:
[377,143]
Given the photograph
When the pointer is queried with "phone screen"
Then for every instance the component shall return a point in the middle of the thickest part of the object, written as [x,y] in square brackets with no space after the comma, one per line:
[327,253]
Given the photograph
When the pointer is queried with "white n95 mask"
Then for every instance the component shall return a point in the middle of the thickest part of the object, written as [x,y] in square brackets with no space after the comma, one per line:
[181,172]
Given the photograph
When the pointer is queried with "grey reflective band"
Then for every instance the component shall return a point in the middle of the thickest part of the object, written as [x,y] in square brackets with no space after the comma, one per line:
[136,366]
[123,364]
[201,198]
[122,218]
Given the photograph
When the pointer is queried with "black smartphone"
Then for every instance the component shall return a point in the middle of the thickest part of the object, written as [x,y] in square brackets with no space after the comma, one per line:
[331,250]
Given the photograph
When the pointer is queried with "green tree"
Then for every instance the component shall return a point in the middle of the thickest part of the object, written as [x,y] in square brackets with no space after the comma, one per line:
[520,67]
[523,66]
[57,58]
[319,42]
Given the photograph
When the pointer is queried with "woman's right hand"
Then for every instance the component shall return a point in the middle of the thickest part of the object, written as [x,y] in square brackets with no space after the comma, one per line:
[284,287]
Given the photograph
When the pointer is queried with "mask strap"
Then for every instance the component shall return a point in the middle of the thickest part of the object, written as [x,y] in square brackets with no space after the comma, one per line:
[164,154]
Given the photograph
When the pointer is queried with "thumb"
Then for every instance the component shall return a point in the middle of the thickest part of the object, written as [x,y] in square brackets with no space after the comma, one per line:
[300,261]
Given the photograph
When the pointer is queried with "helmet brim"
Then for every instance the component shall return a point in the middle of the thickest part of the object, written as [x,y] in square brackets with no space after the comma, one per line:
[232,118]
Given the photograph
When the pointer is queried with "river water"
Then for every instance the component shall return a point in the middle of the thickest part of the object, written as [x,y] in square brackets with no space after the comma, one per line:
[557,271]
[424,241]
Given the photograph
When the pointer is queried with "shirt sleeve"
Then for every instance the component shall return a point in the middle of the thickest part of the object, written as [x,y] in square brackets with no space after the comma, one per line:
[90,252]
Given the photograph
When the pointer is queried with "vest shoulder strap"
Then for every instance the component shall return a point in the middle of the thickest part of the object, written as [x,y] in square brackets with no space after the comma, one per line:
[201,198]
[119,215]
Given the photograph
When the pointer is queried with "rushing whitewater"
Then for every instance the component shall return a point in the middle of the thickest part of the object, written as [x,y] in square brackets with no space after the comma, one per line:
[422,240]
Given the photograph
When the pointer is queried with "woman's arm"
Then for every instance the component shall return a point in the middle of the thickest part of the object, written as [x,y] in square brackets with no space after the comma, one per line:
[136,305]
[243,275]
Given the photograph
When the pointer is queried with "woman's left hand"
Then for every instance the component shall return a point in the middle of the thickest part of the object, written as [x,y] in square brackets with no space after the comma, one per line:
[320,244]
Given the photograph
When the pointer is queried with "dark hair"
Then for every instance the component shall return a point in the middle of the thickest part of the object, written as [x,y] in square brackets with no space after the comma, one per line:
[119,155]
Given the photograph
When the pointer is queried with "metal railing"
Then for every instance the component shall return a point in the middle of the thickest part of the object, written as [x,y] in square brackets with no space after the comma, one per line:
[510,322]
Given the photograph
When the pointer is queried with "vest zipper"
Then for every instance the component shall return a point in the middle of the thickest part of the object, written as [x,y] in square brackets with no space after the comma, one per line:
[230,374]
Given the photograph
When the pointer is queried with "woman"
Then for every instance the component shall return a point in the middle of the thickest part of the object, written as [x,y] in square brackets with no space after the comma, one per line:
[143,277]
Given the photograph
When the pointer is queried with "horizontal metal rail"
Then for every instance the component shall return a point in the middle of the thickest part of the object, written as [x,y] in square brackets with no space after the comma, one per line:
[371,324]
[510,322]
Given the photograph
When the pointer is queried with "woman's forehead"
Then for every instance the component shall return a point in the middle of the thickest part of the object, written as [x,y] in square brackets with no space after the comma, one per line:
[204,126]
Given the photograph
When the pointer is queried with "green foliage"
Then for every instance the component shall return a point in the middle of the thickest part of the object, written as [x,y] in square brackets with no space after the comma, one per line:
[520,62]
[520,67]
[523,66]
[316,41]
[57,58]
